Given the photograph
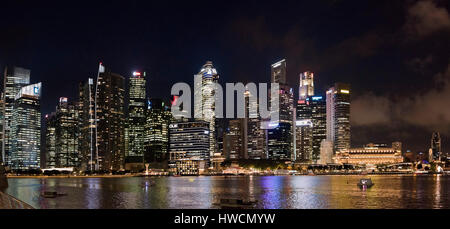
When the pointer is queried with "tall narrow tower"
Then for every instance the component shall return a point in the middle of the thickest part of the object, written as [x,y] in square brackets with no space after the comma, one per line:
[338,116]
[306,87]
[204,104]
[136,116]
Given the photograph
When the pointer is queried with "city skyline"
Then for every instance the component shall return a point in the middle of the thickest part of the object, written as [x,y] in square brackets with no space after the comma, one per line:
[377,77]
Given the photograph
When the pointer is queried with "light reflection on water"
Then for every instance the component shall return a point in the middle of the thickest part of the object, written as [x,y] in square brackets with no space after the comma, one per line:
[272,192]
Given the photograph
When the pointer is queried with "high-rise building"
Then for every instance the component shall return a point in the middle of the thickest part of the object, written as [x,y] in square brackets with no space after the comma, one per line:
[255,135]
[278,72]
[436,148]
[338,116]
[26,129]
[67,134]
[110,118]
[87,139]
[14,79]
[190,139]
[157,124]
[2,113]
[204,102]
[135,128]
[235,144]
[319,122]
[50,140]
[303,131]
[306,88]
[280,136]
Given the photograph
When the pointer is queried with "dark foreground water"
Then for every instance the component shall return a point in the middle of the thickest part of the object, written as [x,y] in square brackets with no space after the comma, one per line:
[272,192]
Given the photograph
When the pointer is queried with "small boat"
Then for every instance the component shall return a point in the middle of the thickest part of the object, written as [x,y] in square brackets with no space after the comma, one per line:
[365,183]
[52,194]
[236,203]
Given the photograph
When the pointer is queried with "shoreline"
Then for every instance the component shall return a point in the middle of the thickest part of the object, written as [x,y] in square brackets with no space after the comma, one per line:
[224,175]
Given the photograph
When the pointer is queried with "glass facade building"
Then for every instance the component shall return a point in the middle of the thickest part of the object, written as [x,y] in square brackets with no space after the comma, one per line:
[157,124]
[26,129]
[338,116]
[190,138]
[87,139]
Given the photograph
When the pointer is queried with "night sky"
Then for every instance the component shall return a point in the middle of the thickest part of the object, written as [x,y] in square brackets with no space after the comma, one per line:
[395,54]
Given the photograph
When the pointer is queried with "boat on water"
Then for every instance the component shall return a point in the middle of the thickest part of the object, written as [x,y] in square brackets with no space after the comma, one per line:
[365,183]
[52,194]
[236,203]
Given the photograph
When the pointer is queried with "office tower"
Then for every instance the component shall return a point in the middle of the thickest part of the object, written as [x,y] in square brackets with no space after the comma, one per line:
[278,72]
[280,137]
[306,88]
[14,79]
[87,139]
[338,116]
[255,136]
[26,129]
[110,118]
[319,122]
[157,124]
[436,148]
[303,131]
[135,132]
[50,140]
[235,144]
[67,134]
[1,129]
[204,102]
[189,139]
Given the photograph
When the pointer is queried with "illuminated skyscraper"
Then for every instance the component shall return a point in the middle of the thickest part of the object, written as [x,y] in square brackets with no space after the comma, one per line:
[280,137]
[338,116]
[303,131]
[256,136]
[235,143]
[159,118]
[135,130]
[110,118]
[189,139]
[14,79]
[319,122]
[306,88]
[436,148]
[50,140]
[67,135]
[278,72]
[204,102]
[26,129]
[87,139]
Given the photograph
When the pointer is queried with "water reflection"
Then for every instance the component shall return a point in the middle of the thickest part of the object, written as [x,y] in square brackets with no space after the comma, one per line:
[272,192]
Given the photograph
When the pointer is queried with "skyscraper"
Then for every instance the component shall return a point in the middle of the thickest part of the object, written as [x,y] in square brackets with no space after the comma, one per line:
[235,144]
[303,131]
[189,139]
[278,72]
[87,139]
[50,140]
[280,137]
[67,134]
[306,88]
[436,148]
[204,102]
[26,129]
[319,122]
[157,124]
[110,118]
[14,79]
[338,116]
[135,131]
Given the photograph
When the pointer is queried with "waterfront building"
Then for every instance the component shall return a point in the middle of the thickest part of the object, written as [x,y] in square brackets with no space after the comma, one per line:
[66,127]
[191,138]
[338,116]
[14,79]
[306,87]
[87,139]
[109,119]
[135,124]
[204,102]
[157,124]
[436,148]
[26,129]
[235,144]
[303,131]
[255,136]
[280,137]
[319,122]
[326,152]
[373,154]
[50,140]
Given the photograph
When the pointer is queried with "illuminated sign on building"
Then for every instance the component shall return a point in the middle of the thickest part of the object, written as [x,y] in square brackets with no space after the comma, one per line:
[345,91]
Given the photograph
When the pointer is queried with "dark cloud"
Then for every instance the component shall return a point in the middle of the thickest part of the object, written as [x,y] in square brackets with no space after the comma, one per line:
[425,18]
[429,109]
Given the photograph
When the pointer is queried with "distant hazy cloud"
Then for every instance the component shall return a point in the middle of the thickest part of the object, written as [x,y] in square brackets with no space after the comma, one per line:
[430,109]
[425,18]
